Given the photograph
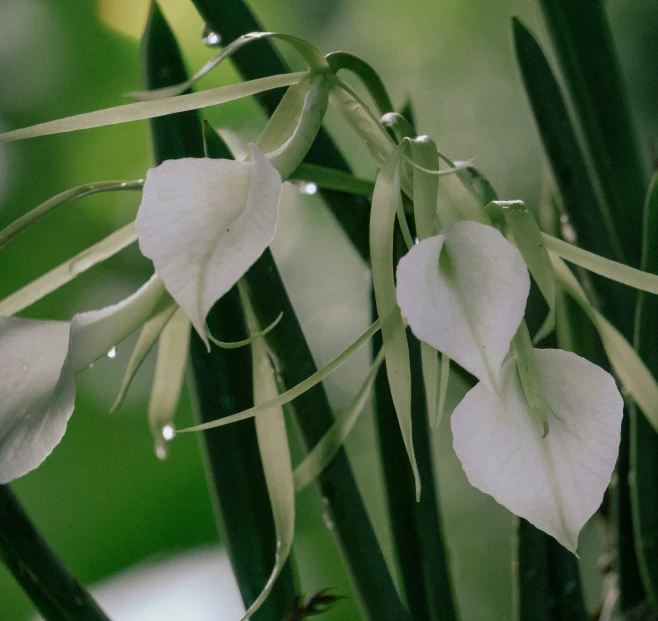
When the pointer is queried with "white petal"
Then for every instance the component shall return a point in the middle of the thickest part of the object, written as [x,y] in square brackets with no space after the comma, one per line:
[38,363]
[36,397]
[204,222]
[556,483]
[464,293]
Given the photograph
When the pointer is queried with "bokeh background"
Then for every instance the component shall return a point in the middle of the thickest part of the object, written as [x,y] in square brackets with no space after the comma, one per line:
[103,500]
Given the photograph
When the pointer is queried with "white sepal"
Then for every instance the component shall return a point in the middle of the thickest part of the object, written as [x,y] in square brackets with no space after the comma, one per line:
[464,293]
[556,482]
[38,364]
[203,222]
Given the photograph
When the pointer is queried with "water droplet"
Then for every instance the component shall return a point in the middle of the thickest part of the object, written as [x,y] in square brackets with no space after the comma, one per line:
[168,432]
[112,353]
[210,38]
[160,452]
[309,189]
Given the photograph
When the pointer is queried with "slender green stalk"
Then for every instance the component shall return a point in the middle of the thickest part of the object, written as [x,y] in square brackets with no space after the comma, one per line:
[644,440]
[596,222]
[582,39]
[52,589]
[416,526]
[344,507]
[530,565]
[220,378]
[231,19]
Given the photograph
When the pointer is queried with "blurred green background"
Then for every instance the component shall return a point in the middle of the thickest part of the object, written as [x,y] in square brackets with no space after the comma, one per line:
[103,500]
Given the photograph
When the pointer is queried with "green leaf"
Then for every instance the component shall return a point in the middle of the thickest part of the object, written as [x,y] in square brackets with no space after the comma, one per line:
[152,109]
[67,271]
[618,272]
[643,476]
[627,365]
[297,390]
[275,454]
[68,196]
[368,76]
[321,455]
[285,118]
[168,379]
[386,200]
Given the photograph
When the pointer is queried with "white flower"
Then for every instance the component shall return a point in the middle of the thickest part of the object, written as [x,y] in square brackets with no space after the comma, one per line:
[37,369]
[556,482]
[203,222]
[464,293]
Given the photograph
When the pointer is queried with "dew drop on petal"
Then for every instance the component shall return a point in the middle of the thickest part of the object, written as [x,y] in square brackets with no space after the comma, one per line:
[309,189]
[112,353]
[168,432]
[210,38]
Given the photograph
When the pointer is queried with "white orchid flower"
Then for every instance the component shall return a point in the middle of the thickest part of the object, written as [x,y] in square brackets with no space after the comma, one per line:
[464,293]
[37,369]
[204,222]
[555,482]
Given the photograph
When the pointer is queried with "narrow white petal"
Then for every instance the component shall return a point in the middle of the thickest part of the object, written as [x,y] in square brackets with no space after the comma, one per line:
[36,394]
[204,222]
[558,482]
[38,363]
[464,293]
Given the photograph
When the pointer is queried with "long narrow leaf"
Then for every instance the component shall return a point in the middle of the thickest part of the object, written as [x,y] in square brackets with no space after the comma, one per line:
[67,271]
[296,391]
[34,215]
[152,109]
[385,200]
[628,366]
[324,451]
[618,272]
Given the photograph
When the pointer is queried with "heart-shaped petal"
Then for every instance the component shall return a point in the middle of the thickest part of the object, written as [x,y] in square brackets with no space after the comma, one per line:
[38,363]
[556,482]
[203,222]
[36,396]
[464,293]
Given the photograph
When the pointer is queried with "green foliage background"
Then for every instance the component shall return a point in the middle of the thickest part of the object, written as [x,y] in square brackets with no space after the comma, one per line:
[103,500]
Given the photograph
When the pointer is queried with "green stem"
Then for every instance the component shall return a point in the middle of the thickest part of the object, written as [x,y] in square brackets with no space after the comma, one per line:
[601,225]
[644,440]
[343,504]
[231,19]
[52,589]
[530,566]
[582,39]
[233,465]
[416,526]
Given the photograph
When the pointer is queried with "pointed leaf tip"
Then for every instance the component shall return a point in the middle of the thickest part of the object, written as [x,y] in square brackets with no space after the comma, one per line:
[203,222]
[464,293]
[556,482]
